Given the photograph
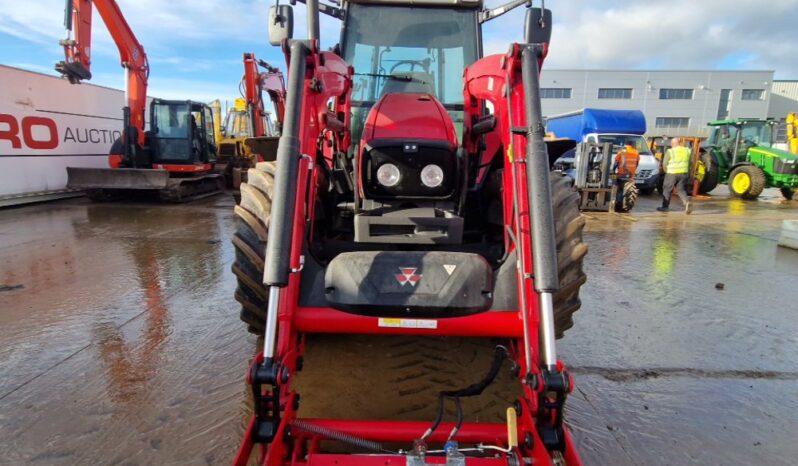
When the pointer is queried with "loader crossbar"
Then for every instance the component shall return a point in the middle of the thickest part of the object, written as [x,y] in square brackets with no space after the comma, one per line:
[487,324]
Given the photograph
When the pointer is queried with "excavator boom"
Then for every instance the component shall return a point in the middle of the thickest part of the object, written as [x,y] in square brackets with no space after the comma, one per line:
[255,82]
[77,50]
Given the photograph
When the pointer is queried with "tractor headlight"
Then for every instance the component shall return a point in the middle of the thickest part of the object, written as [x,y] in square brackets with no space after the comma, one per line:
[388,175]
[432,176]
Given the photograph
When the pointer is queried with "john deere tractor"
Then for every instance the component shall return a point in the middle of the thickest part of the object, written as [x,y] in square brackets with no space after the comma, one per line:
[747,161]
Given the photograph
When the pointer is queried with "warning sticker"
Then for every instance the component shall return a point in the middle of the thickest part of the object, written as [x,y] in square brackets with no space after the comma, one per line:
[407,323]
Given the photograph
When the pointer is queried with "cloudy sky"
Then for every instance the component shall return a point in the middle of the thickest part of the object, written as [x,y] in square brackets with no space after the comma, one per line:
[195,46]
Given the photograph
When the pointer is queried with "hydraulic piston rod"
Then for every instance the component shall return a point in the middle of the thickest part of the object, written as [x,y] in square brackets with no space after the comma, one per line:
[278,248]
[544,244]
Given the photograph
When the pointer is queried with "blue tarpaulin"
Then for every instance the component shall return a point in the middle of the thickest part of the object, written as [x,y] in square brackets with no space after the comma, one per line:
[592,120]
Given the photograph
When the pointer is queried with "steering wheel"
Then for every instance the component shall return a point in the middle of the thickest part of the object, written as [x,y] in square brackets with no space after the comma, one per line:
[423,64]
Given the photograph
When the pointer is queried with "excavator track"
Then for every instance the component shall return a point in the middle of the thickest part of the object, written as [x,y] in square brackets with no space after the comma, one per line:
[189,189]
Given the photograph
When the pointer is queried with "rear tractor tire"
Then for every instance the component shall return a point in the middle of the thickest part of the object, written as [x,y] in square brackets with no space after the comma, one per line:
[711,173]
[571,250]
[746,182]
[788,193]
[252,229]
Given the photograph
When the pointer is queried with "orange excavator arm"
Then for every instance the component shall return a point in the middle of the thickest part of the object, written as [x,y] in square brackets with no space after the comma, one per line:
[77,50]
[255,82]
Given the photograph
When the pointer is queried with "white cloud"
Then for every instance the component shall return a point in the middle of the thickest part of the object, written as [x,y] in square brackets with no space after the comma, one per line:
[174,88]
[665,34]
[587,33]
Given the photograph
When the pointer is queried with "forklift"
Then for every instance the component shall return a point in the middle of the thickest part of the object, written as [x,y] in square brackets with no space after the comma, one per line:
[590,165]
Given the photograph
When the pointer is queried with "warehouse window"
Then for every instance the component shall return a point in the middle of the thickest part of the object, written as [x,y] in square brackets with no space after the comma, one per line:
[683,94]
[753,94]
[613,93]
[672,122]
[555,93]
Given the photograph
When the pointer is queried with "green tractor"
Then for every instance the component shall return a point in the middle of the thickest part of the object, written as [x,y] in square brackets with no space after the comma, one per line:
[746,160]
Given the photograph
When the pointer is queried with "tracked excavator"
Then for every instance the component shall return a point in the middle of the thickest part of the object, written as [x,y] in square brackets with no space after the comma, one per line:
[175,157]
[249,136]
[409,258]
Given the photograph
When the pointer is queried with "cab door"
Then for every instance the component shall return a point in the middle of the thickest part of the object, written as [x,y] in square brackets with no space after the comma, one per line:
[210,137]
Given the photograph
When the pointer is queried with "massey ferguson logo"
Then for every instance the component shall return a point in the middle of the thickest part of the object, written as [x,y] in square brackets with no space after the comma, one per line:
[407,275]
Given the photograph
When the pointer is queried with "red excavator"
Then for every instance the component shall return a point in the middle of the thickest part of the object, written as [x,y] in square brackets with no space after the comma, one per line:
[176,156]
[406,220]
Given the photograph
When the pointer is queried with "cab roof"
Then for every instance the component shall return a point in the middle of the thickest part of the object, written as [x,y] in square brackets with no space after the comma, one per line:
[739,120]
[422,3]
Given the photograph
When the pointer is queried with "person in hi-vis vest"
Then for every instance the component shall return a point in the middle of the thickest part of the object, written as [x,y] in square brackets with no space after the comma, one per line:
[676,165]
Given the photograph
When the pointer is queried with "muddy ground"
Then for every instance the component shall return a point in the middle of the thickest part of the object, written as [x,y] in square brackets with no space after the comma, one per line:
[120,341]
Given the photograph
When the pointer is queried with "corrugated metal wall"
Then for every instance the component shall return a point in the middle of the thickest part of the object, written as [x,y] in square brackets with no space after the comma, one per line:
[783,99]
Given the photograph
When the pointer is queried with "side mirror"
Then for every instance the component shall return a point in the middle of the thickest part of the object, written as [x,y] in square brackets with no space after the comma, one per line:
[281,24]
[537,26]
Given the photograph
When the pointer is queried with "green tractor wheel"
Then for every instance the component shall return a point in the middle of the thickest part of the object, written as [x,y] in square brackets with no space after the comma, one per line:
[787,193]
[746,182]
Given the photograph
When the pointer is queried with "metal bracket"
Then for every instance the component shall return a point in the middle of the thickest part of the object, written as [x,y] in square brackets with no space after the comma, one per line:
[266,406]
[551,411]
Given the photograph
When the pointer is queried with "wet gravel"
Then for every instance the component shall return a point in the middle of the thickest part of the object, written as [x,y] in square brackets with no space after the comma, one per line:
[120,340]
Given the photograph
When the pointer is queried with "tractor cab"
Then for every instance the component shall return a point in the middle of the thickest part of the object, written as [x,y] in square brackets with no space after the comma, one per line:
[419,48]
[733,138]
[181,133]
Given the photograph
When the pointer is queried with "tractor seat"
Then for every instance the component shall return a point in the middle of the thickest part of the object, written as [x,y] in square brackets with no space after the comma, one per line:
[422,284]
[410,82]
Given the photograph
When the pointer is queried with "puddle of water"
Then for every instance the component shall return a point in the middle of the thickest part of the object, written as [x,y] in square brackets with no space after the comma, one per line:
[125,346]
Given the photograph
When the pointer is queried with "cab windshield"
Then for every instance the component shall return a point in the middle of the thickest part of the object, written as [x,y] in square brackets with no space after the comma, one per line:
[236,124]
[621,140]
[757,132]
[406,49]
[171,122]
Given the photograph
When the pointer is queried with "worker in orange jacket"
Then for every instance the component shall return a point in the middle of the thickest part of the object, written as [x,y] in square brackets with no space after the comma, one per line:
[626,162]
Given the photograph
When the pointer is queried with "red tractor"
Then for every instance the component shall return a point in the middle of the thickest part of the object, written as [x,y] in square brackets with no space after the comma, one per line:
[401,207]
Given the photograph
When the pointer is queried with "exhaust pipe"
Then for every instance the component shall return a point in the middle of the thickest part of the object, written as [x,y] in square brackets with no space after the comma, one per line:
[313,19]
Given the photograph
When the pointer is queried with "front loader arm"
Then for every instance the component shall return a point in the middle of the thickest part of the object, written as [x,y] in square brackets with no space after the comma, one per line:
[77,50]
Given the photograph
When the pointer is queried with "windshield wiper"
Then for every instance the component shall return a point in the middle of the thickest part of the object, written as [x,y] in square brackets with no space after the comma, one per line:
[396,77]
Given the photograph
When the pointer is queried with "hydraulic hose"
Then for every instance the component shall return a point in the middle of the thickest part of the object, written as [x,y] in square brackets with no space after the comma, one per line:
[471,390]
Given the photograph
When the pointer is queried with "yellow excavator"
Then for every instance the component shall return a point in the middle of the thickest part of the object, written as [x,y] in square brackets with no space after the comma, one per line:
[238,142]
[248,134]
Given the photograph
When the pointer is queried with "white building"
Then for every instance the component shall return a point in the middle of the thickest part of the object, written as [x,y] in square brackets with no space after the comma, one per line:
[674,102]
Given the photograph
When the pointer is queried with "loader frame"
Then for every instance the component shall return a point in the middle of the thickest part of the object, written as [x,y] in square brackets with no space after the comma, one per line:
[317,110]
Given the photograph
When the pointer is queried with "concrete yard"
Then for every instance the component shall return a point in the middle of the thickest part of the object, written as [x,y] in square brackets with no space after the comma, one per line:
[120,341]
